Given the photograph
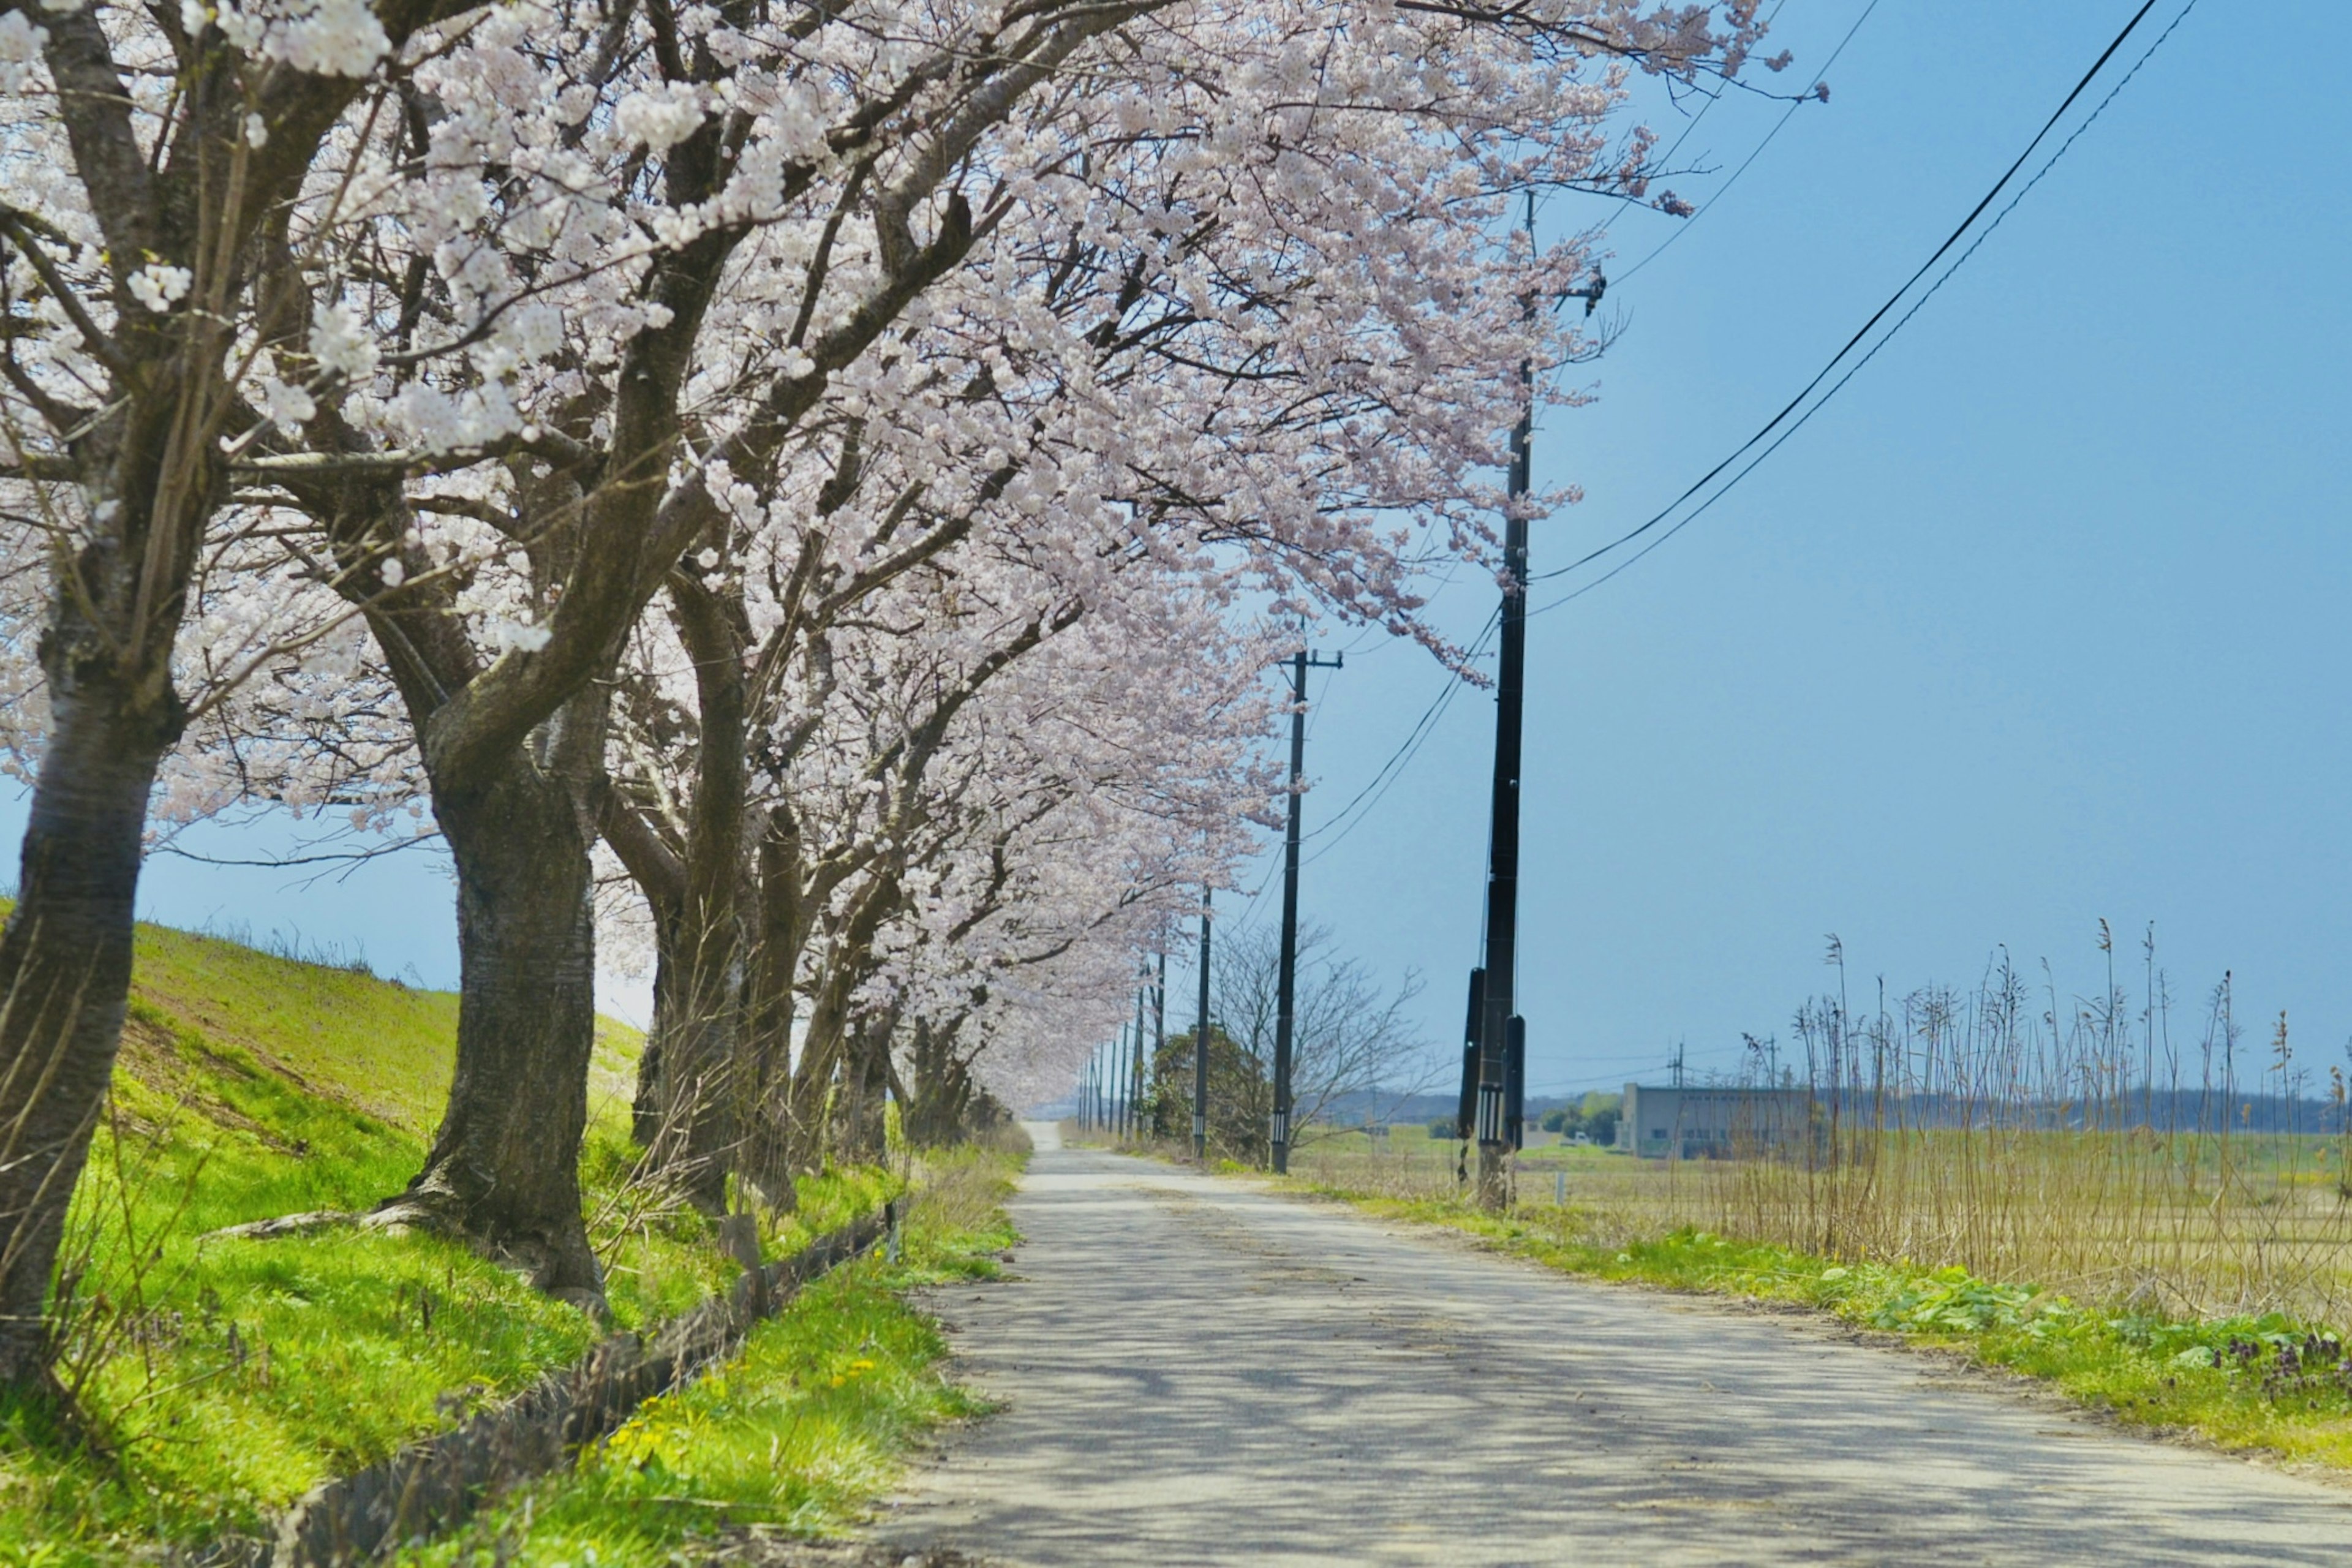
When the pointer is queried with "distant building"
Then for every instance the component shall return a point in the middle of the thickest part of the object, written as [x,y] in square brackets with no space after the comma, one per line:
[1698,1121]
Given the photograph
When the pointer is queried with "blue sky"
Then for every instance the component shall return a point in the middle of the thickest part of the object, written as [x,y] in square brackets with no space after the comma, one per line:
[2038,622]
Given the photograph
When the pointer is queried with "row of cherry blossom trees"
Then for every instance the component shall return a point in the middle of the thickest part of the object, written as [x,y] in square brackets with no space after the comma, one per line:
[845,463]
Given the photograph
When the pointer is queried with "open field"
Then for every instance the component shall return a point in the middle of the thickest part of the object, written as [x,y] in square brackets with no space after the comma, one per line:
[2195,1227]
[2202,1221]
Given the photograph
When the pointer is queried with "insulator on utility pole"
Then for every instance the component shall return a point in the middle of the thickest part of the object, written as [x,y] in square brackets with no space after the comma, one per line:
[1286,976]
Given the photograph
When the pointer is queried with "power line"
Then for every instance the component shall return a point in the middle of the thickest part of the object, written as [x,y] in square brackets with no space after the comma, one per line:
[1958,262]
[1379,784]
[1403,756]
[1786,115]
[1390,771]
[1892,300]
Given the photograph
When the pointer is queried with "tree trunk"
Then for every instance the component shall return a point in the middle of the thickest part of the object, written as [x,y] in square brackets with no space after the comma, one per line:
[645,1104]
[764,1049]
[65,973]
[697,1087]
[811,1094]
[865,1098]
[504,1170]
[689,1088]
[939,1112]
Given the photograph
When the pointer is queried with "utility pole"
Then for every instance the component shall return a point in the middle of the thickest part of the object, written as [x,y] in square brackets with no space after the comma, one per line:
[1135,1083]
[1502,1043]
[1200,1046]
[1158,1032]
[1287,981]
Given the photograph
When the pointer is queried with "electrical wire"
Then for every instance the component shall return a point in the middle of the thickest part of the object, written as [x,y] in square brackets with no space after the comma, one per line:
[1626,1064]
[1958,262]
[1720,191]
[1394,768]
[1414,737]
[1388,772]
[1880,314]
[1342,822]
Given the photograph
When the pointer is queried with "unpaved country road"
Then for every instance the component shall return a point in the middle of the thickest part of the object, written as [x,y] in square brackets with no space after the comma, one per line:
[1194,1373]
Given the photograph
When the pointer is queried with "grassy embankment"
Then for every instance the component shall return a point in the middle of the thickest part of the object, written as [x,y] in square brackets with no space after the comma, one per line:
[220,1380]
[795,1437]
[2250,1379]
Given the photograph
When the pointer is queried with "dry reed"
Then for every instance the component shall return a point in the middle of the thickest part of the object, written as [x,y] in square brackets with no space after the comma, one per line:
[2026,1137]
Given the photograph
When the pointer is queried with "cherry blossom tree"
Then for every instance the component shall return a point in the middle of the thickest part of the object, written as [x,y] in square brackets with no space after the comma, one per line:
[482,328]
[523,438]
[153,159]
[1239,327]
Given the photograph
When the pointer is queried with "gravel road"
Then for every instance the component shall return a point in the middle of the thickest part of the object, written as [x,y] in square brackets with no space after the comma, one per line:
[1195,1372]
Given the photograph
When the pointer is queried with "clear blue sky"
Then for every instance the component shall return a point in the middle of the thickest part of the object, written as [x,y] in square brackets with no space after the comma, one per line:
[2040,622]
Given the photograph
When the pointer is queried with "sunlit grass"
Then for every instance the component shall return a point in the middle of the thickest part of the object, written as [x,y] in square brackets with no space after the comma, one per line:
[221,1379]
[798,1434]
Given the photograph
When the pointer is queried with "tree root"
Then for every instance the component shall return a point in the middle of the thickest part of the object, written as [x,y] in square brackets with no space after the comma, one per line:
[285,1226]
[545,1267]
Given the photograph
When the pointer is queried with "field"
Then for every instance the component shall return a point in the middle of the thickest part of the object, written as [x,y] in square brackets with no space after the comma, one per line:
[2210,1226]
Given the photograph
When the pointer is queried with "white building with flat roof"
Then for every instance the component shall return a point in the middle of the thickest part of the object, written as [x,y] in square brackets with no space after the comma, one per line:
[1691,1122]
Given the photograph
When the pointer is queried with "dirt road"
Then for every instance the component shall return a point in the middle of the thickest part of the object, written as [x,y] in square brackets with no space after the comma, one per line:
[1196,1373]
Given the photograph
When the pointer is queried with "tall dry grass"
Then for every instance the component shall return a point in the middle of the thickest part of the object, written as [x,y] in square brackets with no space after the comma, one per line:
[2011,1129]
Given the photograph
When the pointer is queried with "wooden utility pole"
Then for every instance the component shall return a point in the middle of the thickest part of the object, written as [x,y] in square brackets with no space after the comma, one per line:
[1286,978]
[1200,1046]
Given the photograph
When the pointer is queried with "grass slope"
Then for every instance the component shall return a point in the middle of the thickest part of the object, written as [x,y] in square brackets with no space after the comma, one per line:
[797,1436]
[222,1379]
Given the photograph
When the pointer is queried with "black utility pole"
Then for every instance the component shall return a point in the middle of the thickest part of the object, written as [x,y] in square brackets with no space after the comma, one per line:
[1499,1041]
[1200,1046]
[1286,982]
[1159,1032]
[1135,1083]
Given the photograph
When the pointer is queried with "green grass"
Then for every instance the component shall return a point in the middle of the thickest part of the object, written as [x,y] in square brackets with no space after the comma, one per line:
[224,1379]
[798,1434]
[2264,1383]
